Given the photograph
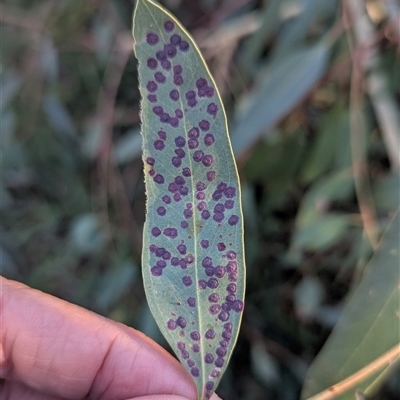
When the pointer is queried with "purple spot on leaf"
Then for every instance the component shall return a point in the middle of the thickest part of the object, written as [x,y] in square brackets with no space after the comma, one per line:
[204,125]
[175,39]
[219,362]
[166,64]
[205,244]
[155,231]
[181,322]
[201,82]
[161,55]
[233,220]
[177,197]
[184,225]
[202,284]
[207,262]
[158,110]
[193,143]
[174,95]
[205,214]
[190,363]
[212,109]
[230,192]
[186,172]
[171,325]
[181,248]
[221,352]
[161,211]
[219,217]
[188,213]
[176,162]
[189,259]
[209,358]
[209,271]
[181,346]
[221,246]
[151,86]
[179,114]
[209,92]
[184,46]
[170,50]
[169,26]
[159,77]
[150,160]
[156,271]
[210,176]
[215,309]
[213,298]
[223,316]
[174,122]
[238,306]
[162,135]
[226,335]
[180,141]
[187,281]
[152,98]
[180,153]
[152,39]
[178,80]
[195,335]
[195,372]
[185,354]
[164,117]
[194,133]
[210,334]
[219,271]
[159,179]
[178,69]
[152,63]
[159,145]
[212,283]
[209,139]
[200,196]
[215,373]
[207,160]
[191,302]
[231,288]
[198,155]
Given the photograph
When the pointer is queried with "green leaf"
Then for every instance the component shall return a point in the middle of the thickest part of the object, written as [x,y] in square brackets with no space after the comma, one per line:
[193,256]
[288,81]
[366,339]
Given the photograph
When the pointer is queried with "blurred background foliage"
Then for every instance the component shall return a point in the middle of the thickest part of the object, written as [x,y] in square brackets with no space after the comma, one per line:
[312,92]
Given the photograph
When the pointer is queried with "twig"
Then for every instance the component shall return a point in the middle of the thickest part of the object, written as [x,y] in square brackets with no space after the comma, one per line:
[352,381]
[384,105]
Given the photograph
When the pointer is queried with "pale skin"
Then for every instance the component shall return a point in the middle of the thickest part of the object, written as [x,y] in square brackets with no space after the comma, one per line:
[53,350]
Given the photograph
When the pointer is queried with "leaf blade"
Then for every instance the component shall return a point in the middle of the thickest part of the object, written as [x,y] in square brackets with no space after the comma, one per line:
[193,256]
[367,329]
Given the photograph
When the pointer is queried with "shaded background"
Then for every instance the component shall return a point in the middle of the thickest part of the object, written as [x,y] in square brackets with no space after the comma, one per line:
[312,93]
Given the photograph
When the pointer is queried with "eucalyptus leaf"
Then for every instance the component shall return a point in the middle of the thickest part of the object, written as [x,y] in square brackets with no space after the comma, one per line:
[366,339]
[288,81]
[193,256]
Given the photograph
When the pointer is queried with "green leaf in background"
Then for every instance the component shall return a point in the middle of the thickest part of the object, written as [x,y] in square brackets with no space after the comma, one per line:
[288,81]
[366,339]
[193,257]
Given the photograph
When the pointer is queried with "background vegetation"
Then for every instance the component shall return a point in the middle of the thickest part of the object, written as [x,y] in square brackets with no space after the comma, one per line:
[312,92]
